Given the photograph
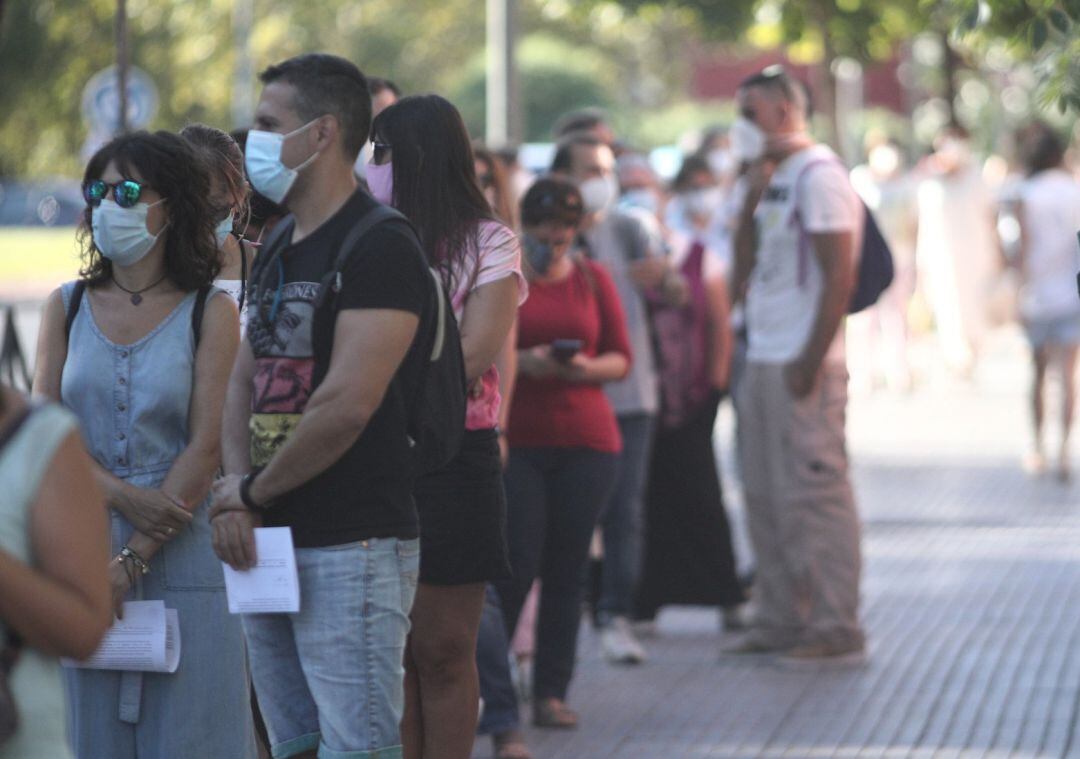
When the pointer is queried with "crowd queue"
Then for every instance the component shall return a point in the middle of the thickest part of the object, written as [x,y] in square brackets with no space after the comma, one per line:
[249,344]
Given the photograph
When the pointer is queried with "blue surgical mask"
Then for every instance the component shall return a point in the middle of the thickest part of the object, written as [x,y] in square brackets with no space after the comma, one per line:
[538,254]
[262,157]
[223,230]
[643,198]
[120,233]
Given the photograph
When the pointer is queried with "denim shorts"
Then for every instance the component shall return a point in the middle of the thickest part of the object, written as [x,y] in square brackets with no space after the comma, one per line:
[331,676]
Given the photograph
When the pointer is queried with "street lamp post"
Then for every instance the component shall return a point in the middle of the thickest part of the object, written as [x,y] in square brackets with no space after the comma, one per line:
[503,123]
[122,62]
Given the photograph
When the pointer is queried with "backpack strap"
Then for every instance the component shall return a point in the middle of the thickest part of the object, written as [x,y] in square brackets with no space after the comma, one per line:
[796,217]
[73,305]
[197,313]
[331,283]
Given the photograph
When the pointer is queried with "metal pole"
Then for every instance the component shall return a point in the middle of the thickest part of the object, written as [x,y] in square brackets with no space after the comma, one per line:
[243,93]
[503,123]
[122,62]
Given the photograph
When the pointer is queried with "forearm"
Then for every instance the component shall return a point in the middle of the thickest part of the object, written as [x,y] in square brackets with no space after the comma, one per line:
[506,363]
[236,431]
[607,367]
[50,616]
[831,312]
[327,429]
[744,256]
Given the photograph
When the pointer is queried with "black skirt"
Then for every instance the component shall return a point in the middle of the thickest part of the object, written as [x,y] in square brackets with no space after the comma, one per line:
[689,558]
[463,516]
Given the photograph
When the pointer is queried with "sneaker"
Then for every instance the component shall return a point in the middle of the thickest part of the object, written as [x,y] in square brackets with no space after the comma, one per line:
[736,619]
[619,644]
[757,642]
[645,628]
[521,674]
[825,653]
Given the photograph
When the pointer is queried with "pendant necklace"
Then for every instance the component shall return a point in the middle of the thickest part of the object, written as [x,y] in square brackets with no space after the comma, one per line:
[136,295]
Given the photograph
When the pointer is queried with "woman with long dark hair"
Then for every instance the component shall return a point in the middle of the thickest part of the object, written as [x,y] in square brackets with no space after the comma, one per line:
[423,166]
[140,349]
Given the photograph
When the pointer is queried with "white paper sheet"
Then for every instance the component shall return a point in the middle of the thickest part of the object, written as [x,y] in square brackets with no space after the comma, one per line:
[147,639]
[272,586]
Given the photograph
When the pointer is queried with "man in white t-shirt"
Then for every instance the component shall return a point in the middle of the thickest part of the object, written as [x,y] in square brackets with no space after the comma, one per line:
[796,250]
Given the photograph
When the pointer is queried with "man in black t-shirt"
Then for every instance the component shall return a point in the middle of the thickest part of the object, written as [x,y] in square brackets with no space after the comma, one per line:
[315,424]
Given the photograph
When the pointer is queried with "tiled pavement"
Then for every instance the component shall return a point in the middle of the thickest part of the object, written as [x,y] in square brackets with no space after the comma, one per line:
[971,601]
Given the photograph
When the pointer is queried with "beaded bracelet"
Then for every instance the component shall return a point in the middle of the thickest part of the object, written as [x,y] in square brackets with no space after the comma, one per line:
[130,555]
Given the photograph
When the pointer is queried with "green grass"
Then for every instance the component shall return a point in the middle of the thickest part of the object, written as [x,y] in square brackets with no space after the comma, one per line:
[37,255]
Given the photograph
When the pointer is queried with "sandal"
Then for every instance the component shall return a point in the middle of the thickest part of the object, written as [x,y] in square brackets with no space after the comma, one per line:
[510,745]
[554,713]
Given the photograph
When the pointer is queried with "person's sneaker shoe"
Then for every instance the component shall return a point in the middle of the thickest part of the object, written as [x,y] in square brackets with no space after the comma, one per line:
[619,644]
[823,653]
[736,619]
[757,642]
[645,628]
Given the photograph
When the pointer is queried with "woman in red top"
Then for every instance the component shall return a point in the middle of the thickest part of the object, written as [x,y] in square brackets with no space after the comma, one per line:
[563,436]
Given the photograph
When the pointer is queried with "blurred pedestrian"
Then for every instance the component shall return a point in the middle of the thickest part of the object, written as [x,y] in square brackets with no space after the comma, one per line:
[564,444]
[797,246]
[957,248]
[229,199]
[689,558]
[878,337]
[494,182]
[694,212]
[316,424]
[1049,261]
[424,166]
[54,587]
[140,350]
[635,259]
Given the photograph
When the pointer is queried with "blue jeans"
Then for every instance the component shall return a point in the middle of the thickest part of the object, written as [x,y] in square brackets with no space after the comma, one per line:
[493,663]
[332,676]
[623,520]
[554,497]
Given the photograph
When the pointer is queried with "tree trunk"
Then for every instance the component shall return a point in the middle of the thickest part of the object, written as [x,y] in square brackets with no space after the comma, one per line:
[825,86]
[950,63]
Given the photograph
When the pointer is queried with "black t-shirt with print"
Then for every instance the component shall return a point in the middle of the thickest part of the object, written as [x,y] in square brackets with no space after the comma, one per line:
[367,493]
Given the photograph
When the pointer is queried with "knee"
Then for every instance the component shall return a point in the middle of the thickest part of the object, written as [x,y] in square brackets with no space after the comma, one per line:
[442,656]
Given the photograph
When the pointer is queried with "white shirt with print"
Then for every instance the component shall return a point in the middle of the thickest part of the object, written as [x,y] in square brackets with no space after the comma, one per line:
[781,305]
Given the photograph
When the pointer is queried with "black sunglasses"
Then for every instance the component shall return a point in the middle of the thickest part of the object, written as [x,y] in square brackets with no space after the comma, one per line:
[379,151]
[126,193]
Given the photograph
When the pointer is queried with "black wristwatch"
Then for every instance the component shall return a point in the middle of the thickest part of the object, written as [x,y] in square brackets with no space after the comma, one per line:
[245,490]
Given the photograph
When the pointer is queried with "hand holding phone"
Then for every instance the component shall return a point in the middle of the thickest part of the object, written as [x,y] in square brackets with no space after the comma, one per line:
[564,350]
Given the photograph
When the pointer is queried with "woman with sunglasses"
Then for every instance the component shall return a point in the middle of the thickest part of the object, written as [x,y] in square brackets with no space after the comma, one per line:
[140,348]
[423,166]
[229,200]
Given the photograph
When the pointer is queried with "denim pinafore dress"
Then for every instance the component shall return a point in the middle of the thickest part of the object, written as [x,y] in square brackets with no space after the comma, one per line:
[133,402]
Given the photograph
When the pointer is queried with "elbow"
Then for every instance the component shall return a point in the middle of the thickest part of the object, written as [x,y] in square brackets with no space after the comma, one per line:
[81,641]
[622,364]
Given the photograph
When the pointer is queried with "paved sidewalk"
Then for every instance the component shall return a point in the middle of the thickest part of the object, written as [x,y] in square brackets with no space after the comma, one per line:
[971,601]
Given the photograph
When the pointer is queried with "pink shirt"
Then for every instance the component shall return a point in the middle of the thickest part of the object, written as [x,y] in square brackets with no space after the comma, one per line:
[499,257]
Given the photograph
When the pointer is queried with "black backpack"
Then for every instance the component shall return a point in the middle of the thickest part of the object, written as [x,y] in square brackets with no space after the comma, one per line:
[876,268]
[436,408]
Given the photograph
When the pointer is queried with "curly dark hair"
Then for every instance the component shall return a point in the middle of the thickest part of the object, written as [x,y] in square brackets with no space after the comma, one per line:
[169,164]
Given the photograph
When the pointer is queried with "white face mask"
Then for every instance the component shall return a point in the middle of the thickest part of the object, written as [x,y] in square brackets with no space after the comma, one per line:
[747,140]
[268,175]
[223,230]
[721,162]
[120,233]
[599,193]
[702,202]
[642,198]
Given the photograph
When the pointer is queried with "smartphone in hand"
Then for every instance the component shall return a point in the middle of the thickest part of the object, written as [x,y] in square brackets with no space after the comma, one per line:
[564,351]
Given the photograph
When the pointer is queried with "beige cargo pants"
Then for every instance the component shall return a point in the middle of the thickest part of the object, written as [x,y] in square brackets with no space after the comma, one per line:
[800,506]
